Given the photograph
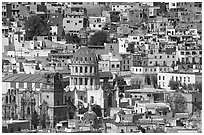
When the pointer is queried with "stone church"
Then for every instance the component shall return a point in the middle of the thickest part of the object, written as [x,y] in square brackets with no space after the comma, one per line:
[84,85]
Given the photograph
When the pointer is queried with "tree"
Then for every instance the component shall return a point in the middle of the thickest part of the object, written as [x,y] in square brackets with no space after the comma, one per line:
[173,65]
[99,38]
[190,86]
[36,26]
[131,47]
[35,119]
[184,86]
[97,110]
[154,81]
[147,80]
[72,39]
[63,33]
[174,85]
[198,86]
[177,102]
[120,81]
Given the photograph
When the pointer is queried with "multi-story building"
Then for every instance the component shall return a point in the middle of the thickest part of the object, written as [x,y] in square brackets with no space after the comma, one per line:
[74,20]
[135,17]
[114,16]
[158,24]
[15,9]
[97,23]
[187,78]
[4,15]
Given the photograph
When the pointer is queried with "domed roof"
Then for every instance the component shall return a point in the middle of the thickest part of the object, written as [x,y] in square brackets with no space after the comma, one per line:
[85,55]
[90,115]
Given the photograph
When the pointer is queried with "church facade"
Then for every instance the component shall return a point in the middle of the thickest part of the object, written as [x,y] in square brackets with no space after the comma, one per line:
[84,85]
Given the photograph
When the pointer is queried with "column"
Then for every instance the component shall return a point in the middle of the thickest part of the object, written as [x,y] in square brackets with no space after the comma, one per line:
[70,80]
[94,83]
[74,71]
[83,81]
[89,81]
[93,69]
[77,81]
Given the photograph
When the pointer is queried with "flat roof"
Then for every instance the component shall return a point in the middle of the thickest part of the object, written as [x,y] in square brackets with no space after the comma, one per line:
[148,90]
[33,78]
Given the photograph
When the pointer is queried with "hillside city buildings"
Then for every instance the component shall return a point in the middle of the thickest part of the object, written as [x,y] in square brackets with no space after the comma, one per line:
[146,76]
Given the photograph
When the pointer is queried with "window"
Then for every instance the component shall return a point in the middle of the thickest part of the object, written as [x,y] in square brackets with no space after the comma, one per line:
[188,79]
[13,85]
[90,69]
[86,81]
[80,21]
[160,57]
[117,65]
[85,69]
[159,77]
[163,77]
[94,25]
[21,85]
[113,66]
[76,68]
[81,69]
[75,23]
[160,69]
[80,81]
[92,99]
[99,25]
[91,81]
[68,21]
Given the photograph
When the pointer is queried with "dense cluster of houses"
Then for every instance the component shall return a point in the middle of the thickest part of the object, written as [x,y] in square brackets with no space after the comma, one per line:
[154,47]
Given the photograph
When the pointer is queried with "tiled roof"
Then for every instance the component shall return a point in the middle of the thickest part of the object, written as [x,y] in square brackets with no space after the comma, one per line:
[105,74]
[23,78]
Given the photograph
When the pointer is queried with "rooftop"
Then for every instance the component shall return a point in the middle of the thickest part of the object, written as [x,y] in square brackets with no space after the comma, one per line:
[148,90]
[33,78]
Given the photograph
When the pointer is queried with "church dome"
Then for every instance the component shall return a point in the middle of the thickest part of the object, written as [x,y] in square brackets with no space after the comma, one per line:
[84,55]
[90,115]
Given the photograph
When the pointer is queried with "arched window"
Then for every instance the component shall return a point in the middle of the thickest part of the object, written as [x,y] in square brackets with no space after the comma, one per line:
[85,69]
[90,69]
[76,69]
[6,99]
[85,58]
[91,81]
[81,69]
[14,99]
